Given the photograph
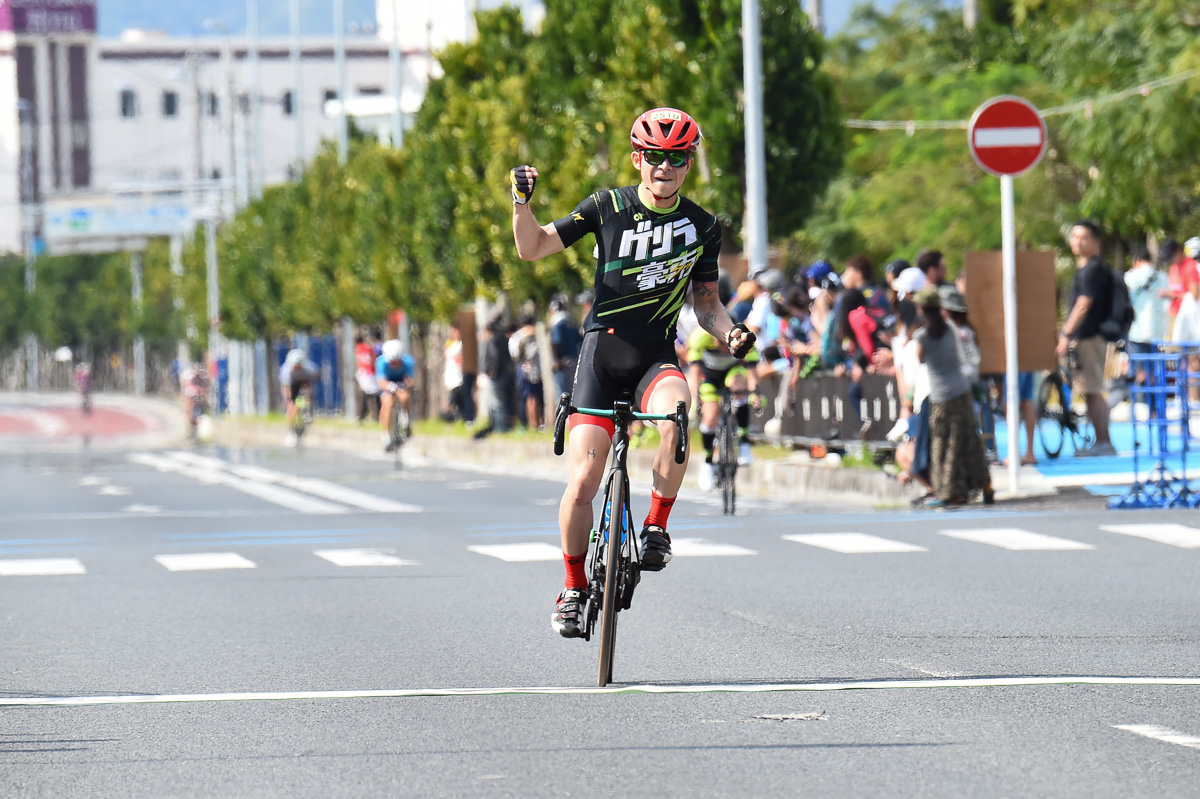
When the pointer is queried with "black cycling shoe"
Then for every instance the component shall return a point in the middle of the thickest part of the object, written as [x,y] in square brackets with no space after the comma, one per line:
[656,548]
[567,620]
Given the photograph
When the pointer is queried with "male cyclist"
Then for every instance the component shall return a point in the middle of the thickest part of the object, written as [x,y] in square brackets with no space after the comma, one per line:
[193,385]
[650,244]
[298,374]
[83,383]
[394,371]
[714,368]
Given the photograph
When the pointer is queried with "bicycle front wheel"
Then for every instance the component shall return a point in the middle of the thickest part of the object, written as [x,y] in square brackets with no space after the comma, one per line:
[1052,413]
[727,464]
[612,591]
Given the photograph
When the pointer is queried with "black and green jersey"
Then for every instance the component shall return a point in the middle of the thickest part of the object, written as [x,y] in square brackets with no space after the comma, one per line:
[644,259]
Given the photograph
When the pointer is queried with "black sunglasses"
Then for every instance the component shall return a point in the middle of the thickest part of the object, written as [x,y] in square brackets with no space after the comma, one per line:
[676,158]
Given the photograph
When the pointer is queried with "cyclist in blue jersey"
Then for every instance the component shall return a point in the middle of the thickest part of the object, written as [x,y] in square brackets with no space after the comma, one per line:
[653,246]
[395,371]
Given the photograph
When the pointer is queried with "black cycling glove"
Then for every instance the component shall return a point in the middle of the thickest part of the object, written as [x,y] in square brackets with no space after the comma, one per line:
[522,178]
[742,349]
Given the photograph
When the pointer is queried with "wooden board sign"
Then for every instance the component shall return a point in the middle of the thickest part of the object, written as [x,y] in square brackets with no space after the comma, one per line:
[1037,309]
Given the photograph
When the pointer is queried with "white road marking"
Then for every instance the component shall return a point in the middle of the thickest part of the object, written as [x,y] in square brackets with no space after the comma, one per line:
[853,543]
[309,485]
[136,508]
[718,688]
[40,568]
[280,496]
[1176,535]
[1165,734]
[91,480]
[1015,539]
[205,561]
[473,485]
[1007,137]
[520,553]
[361,557]
[113,491]
[703,548]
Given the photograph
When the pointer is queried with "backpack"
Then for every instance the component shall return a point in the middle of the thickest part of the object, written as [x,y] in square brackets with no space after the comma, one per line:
[1120,315]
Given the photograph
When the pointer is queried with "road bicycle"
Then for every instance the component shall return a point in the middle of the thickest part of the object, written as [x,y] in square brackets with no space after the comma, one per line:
[1056,417]
[398,426]
[614,556]
[303,418]
[726,456]
[199,407]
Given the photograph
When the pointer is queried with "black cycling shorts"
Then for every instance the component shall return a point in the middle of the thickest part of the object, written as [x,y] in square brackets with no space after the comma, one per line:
[610,365]
[295,388]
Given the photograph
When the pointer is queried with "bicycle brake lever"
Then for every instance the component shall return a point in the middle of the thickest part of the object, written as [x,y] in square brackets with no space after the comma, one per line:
[682,426]
[560,422]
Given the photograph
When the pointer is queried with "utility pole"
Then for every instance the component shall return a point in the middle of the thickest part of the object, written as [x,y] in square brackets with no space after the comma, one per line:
[970,14]
[756,165]
[28,134]
[139,343]
[397,77]
[193,62]
[256,178]
[297,91]
[181,350]
[214,300]
[815,17]
[339,48]
[229,119]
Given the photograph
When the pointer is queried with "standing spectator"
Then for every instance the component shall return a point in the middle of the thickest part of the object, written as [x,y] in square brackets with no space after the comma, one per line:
[933,265]
[452,376]
[1182,277]
[1088,306]
[364,376]
[584,300]
[523,346]
[859,275]
[564,344]
[912,383]
[1147,288]
[743,300]
[766,283]
[958,462]
[498,367]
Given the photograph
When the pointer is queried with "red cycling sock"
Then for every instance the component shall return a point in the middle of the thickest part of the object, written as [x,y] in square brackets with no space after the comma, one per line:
[660,509]
[576,577]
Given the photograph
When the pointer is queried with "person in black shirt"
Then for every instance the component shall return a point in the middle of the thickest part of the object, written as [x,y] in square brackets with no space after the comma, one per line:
[1089,305]
[652,246]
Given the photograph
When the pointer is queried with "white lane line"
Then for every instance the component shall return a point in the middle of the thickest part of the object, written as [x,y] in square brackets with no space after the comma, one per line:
[719,688]
[138,508]
[520,553]
[1164,734]
[91,480]
[40,568]
[1015,539]
[113,491]
[309,485]
[853,543]
[204,561]
[361,557]
[703,548]
[1176,535]
[280,496]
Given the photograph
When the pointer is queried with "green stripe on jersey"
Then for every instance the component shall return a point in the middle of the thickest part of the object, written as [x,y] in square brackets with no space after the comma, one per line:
[626,308]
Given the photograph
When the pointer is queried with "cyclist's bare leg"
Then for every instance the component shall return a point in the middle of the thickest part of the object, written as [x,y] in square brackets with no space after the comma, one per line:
[668,475]
[587,454]
[386,398]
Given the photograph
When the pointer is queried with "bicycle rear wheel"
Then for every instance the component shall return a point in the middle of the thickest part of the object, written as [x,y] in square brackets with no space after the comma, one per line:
[727,464]
[1052,413]
[612,591]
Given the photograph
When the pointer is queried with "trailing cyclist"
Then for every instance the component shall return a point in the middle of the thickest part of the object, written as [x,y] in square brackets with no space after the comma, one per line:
[394,371]
[715,369]
[651,243]
[297,376]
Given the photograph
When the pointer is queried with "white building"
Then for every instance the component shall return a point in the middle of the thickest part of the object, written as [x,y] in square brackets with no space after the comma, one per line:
[82,118]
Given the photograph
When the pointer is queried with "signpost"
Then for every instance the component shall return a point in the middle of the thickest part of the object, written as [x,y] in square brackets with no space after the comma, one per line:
[1007,136]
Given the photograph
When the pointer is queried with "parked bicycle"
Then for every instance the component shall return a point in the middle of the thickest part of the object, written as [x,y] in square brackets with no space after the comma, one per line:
[1057,419]
[614,553]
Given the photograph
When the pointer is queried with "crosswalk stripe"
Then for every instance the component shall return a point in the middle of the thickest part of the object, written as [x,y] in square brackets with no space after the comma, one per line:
[309,485]
[205,561]
[703,548]
[519,553]
[44,567]
[1014,539]
[270,493]
[1164,734]
[853,543]
[361,557]
[1176,535]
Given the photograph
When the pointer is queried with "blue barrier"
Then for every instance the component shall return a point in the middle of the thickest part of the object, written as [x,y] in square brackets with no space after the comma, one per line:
[1169,378]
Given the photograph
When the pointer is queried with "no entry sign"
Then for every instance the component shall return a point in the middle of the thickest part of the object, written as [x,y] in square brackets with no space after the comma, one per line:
[1007,136]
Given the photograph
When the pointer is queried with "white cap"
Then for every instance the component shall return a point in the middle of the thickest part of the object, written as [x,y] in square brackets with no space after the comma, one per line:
[1191,247]
[910,281]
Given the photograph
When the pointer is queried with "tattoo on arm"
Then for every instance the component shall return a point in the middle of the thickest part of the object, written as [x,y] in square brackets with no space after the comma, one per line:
[708,321]
[591,453]
[704,290]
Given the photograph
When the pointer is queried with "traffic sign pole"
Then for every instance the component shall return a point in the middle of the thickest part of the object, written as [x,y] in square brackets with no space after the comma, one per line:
[1009,243]
[1007,136]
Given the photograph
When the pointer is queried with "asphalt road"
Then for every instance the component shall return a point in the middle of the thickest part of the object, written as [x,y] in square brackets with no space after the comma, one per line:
[175,621]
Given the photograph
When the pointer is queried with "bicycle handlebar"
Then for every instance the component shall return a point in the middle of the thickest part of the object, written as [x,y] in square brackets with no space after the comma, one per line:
[565,409]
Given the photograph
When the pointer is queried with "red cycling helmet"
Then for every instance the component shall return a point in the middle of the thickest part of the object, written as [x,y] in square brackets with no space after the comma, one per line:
[665,129]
